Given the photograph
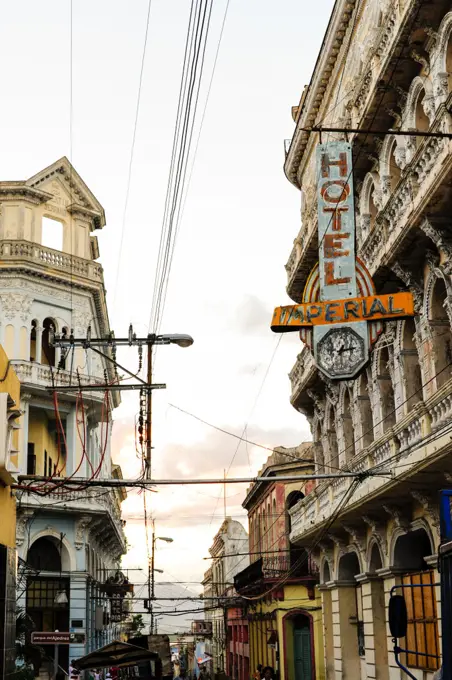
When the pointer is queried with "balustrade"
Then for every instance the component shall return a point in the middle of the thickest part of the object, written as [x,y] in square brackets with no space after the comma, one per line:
[20,250]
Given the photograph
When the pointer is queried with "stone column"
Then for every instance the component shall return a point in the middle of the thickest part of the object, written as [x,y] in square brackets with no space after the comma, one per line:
[374,617]
[39,330]
[328,637]
[345,636]
[391,577]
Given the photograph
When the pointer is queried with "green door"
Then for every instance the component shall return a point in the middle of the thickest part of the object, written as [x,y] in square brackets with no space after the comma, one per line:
[302,652]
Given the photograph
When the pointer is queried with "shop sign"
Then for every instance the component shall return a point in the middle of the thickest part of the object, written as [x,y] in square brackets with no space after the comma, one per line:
[341,315]
[57,638]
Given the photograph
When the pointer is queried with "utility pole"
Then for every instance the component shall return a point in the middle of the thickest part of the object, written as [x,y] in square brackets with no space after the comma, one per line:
[151,340]
[152,580]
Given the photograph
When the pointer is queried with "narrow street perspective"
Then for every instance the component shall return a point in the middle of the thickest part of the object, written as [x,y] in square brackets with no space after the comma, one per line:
[226,340]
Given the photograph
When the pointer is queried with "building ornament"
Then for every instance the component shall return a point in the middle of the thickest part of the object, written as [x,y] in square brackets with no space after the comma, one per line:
[440,240]
[16,304]
[378,532]
[410,282]
[431,508]
[358,538]
[400,519]
[23,517]
[80,531]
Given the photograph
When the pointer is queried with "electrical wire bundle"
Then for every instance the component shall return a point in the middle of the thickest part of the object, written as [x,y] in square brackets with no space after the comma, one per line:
[192,75]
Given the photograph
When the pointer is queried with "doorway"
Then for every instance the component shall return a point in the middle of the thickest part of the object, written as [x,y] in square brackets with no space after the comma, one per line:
[302,648]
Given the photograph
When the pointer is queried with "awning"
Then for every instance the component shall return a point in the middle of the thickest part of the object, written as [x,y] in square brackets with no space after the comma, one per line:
[117,653]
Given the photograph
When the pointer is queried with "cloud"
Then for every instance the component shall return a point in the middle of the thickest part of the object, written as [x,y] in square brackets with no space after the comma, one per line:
[253,316]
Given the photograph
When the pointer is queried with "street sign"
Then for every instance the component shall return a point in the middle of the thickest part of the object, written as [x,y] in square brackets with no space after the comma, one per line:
[370,308]
[57,638]
[340,316]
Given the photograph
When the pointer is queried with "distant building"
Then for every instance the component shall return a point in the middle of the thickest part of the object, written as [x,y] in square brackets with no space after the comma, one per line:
[229,553]
[70,542]
[282,608]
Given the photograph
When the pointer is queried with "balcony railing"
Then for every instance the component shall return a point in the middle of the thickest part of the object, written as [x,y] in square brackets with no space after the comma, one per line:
[18,251]
[40,375]
[296,565]
[404,440]
[90,500]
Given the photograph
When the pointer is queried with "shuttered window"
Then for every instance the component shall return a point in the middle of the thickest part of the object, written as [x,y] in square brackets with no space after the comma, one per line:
[422,634]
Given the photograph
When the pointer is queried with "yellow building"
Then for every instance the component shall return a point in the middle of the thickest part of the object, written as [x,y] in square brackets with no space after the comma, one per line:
[9,461]
[283,608]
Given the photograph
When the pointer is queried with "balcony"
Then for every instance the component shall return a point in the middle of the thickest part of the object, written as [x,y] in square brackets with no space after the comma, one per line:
[38,377]
[87,502]
[422,180]
[267,570]
[16,254]
[301,375]
[407,450]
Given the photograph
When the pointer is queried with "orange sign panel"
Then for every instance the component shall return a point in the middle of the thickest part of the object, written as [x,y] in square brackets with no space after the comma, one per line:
[371,308]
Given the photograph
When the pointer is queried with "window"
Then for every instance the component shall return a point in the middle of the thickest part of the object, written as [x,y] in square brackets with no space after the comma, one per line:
[50,467]
[45,463]
[52,233]
[31,459]
[34,324]
[360,622]
[422,634]
[48,349]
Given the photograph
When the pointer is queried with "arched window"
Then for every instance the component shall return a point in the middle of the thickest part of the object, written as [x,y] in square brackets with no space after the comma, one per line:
[386,390]
[411,549]
[33,338]
[411,368]
[318,447]
[44,555]
[332,439]
[365,412]
[64,352]
[48,350]
[442,339]
[394,170]
[422,122]
[449,61]
[347,427]
[326,572]
[375,559]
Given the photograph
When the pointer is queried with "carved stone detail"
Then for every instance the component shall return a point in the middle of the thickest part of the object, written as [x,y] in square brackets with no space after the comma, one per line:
[80,531]
[410,282]
[400,519]
[16,304]
[23,517]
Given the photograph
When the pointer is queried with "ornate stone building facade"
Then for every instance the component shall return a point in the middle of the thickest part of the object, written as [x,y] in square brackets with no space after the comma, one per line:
[69,542]
[229,552]
[384,66]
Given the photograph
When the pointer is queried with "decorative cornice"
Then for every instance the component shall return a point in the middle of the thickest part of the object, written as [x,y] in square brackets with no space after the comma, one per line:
[326,61]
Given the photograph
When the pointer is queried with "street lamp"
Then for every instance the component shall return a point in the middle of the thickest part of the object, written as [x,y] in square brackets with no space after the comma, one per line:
[173,339]
[152,570]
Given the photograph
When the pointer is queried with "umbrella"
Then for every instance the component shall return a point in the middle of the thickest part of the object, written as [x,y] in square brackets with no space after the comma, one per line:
[117,653]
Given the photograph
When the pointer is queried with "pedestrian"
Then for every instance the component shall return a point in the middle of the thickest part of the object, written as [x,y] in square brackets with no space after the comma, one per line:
[204,674]
[268,673]
[96,674]
[258,672]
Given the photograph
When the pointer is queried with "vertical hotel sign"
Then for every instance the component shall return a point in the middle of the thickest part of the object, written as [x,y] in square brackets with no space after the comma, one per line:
[339,351]
[340,315]
[336,215]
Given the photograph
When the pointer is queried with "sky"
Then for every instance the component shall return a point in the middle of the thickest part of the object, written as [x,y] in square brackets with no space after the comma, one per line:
[240,218]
